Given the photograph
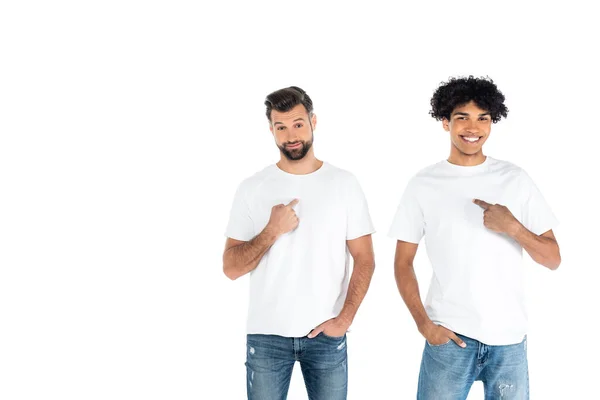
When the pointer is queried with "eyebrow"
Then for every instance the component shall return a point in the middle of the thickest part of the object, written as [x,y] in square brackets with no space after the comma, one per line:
[467,114]
[297,119]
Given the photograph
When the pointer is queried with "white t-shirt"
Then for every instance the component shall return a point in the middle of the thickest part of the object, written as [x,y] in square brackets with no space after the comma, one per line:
[477,287]
[303,278]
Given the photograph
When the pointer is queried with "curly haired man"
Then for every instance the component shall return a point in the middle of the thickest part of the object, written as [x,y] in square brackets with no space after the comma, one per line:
[476,213]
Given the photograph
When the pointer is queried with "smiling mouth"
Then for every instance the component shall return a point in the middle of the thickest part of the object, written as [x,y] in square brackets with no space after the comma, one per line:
[471,139]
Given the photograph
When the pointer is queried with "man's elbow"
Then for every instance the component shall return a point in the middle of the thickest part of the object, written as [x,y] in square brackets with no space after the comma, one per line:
[229,269]
[366,264]
[230,273]
[556,264]
[553,263]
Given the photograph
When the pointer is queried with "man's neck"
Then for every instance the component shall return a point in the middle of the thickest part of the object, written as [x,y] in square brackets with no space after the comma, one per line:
[466,160]
[306,165]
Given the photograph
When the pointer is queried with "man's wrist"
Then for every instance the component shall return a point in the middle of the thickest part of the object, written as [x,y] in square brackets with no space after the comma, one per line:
[345,318]
[270,233]
[515,230]
[425,327]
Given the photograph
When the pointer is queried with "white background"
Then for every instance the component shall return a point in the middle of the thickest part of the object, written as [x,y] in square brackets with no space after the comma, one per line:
[125,128]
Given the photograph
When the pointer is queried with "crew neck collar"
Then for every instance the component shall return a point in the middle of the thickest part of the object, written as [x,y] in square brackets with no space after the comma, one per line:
[467,169]
[299,176]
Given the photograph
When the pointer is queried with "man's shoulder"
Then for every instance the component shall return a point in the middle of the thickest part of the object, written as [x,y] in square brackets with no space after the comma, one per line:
[429,170]
[422,175]
[256,179]
[340,176]
[337,172]
[504,167]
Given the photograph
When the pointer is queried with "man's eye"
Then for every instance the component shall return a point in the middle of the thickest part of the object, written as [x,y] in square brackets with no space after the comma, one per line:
[280,128]
[299,125]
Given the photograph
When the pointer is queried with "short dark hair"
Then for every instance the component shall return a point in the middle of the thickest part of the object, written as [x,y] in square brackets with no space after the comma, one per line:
[285,99]
[460,91]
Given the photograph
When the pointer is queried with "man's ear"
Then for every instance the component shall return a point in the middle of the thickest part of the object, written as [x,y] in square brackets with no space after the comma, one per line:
[446,124]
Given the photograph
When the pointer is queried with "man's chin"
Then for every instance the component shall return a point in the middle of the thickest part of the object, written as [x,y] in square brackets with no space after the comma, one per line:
[294,157]
[469,151]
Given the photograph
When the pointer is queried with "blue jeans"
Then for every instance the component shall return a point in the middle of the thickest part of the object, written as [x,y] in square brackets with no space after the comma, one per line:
[270,360]
[448,371]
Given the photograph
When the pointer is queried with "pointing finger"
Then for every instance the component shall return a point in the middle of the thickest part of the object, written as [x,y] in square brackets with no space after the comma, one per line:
[482,204]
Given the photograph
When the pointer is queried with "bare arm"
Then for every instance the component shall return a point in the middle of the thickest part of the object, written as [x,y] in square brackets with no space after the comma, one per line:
[406,280]
[241,257]
[542,248]
[361,250]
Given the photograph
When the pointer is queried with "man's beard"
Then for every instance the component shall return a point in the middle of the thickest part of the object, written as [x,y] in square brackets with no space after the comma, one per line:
[296,154]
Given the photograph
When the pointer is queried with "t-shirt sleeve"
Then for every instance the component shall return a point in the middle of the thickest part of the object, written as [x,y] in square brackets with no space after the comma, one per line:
[358,218]
[408,224]
[537,215]
[240,226]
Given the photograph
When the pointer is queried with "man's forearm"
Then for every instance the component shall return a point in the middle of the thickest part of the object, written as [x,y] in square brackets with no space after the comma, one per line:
[357,288]
[241,259]
[543,250]
[406,280]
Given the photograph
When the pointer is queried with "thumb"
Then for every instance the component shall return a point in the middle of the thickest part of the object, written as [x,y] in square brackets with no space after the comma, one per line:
[315,332]
[457,340]
[293,203]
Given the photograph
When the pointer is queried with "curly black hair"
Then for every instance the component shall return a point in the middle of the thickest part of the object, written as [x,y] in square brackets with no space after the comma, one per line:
[459,91]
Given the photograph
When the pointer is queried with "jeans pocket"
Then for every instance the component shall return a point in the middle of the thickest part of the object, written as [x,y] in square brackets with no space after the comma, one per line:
[333,337]
[438,345]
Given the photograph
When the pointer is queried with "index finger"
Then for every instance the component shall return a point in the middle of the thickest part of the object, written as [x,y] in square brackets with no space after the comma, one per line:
[482,204]
[293,203]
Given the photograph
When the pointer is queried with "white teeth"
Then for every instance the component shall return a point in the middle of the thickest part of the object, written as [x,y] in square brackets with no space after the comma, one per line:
[471,139]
